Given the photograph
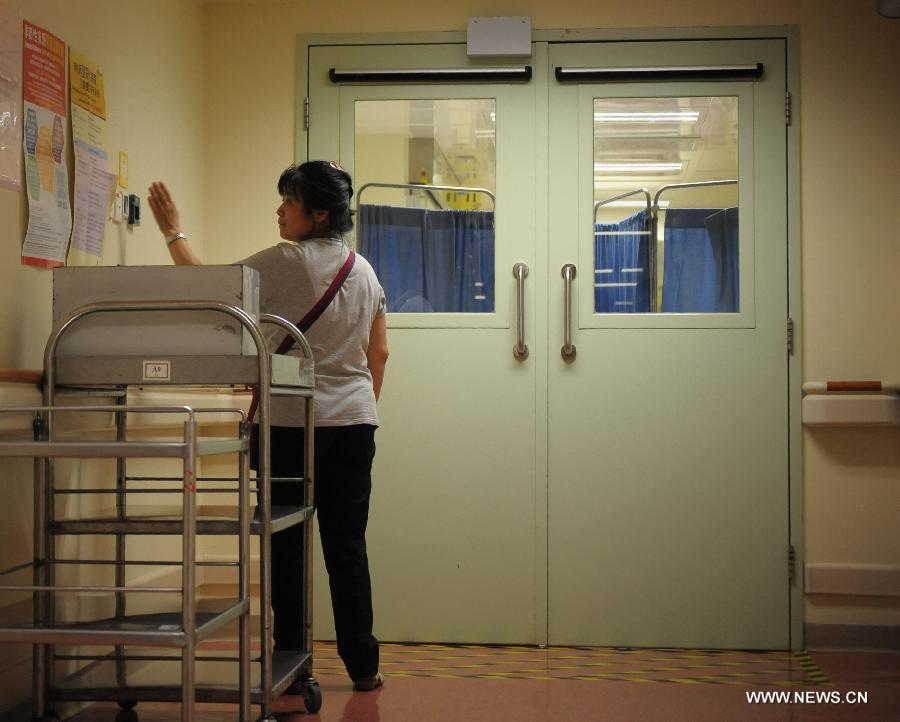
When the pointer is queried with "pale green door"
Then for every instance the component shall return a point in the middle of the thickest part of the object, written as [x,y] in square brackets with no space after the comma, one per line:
[636,494]
[668,443]
[451,535]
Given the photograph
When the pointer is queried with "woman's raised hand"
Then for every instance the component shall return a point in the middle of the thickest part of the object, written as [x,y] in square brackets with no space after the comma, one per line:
[164,210]
[166,215]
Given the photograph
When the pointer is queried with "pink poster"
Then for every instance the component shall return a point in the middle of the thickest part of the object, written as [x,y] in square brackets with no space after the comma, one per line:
[45,140]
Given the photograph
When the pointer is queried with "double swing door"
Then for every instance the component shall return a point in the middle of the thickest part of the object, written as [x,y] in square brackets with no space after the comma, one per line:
[584,424]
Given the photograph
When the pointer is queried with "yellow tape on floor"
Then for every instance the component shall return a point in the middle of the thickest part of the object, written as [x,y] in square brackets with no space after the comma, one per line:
[646,666]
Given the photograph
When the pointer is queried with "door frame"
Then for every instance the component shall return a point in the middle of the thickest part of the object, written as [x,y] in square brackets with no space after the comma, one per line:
[790,36]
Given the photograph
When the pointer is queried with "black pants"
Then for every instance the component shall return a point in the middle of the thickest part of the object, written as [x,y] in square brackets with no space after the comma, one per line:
[343,484]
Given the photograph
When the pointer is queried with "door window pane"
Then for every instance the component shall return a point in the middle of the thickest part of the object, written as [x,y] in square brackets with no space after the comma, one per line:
[666,205]
[431,246]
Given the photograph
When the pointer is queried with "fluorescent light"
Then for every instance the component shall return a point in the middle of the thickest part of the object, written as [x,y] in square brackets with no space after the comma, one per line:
[637,167]
[686,116]
[486,133]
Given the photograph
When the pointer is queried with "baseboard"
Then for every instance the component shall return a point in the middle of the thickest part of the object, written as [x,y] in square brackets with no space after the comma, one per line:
[822,637]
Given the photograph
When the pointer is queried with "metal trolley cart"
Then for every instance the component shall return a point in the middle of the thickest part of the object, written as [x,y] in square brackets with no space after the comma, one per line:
[109,676]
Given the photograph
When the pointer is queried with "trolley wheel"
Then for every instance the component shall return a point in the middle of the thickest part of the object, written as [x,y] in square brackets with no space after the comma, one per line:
[312,696]
[127,703]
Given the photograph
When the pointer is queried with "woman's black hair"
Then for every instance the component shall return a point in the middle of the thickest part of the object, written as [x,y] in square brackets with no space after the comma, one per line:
[322,186]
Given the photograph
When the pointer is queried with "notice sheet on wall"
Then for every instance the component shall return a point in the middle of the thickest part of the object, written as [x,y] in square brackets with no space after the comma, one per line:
[45,138]
[94,185]
[10,99]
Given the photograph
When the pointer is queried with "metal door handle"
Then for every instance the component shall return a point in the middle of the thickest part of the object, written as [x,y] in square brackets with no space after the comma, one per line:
[568,349]
[520,350]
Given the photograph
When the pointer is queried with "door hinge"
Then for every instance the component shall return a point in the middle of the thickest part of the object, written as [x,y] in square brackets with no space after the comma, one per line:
[790,336]
[306,113]
[792,563]
[787,108]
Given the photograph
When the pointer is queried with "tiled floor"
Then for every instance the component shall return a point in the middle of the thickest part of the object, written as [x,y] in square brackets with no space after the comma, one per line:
[437,683]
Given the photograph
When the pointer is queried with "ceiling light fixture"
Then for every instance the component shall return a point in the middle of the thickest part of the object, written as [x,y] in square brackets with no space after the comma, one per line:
[686,116]
[637,167]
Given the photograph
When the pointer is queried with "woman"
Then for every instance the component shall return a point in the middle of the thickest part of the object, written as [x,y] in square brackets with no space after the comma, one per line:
[349,343]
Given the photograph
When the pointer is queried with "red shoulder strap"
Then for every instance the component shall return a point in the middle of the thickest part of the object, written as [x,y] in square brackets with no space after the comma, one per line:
[310,318]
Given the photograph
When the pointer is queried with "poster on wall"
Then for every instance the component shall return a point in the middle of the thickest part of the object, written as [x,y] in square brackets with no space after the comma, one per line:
[45,135]
[10,99]
[94,185]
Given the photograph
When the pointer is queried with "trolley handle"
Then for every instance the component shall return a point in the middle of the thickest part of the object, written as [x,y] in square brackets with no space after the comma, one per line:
[292,331]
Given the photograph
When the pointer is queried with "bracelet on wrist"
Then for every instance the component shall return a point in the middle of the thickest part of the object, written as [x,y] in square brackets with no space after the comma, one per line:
[172,237]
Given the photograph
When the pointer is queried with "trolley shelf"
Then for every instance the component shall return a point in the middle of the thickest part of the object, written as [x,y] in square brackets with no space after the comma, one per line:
[107,371]
[137,629]
[120,449]
[225,523]
[98,682]
[286,667]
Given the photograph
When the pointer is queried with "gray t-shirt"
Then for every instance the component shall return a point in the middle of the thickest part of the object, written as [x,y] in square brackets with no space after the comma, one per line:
[293,277]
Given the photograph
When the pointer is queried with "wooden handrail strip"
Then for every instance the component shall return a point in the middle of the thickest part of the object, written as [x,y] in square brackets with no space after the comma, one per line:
[34,377]
[854,385]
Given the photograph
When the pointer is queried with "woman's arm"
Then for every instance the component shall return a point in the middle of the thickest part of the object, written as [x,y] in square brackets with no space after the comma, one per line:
[377,353]
[166,215]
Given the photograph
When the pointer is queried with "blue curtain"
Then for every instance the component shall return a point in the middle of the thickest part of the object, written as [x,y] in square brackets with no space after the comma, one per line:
[430,260]
[701,273]
[621,272]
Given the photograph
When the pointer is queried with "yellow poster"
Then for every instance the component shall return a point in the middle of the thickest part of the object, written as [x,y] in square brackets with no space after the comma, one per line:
[94,184]
[87,84]
[87,127]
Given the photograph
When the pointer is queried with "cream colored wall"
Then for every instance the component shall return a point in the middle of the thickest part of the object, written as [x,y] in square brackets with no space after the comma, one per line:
[851,174]
[849,103]
[151,54]
[16,530]
[383,158]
